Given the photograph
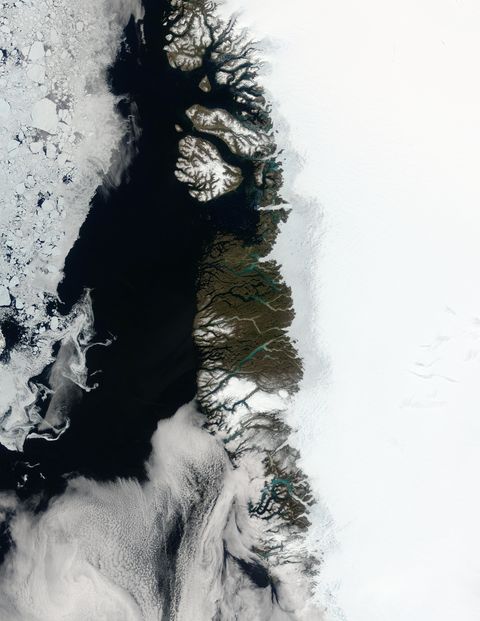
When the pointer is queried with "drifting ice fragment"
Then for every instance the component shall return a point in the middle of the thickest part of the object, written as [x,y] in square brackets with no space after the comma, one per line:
[12,145]
[36,147]
[36,73]
[37,51]
[4,110]
[4,296]
[44,116]
[51,151]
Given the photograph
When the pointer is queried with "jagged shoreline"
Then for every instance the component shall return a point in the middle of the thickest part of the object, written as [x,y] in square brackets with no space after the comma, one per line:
[186,302]
[249,368]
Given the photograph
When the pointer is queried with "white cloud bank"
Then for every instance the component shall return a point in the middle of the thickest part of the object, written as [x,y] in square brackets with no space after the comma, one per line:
[170,548]
[383,107]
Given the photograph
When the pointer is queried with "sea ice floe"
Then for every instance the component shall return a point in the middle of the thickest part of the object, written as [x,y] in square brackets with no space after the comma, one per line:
[4,110]
[44,116]
[36,73]
[37,52]
[5,299]
[35,147]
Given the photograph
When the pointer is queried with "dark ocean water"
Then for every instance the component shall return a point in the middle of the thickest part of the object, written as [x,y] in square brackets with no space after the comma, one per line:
[138,251]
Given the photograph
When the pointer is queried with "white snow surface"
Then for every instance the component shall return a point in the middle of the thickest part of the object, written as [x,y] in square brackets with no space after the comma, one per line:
[202,168]
[59,135]
[382,251]
[241,139]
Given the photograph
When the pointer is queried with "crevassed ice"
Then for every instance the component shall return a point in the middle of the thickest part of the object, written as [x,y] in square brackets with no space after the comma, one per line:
[59,136]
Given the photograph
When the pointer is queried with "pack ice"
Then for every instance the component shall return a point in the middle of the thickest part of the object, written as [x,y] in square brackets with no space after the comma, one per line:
[59,135]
